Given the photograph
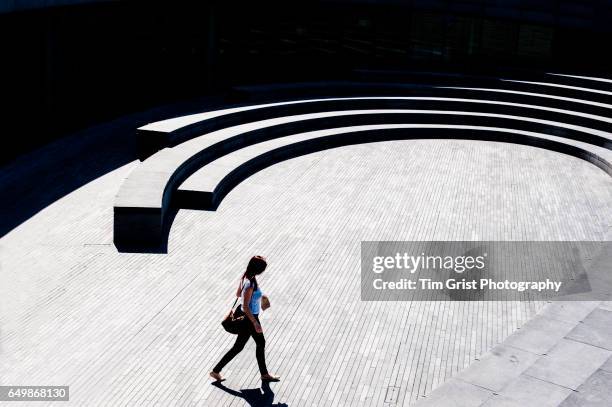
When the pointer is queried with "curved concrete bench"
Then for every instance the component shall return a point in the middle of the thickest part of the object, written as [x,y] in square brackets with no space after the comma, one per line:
[596,83]
[144,199]
[550,99]
[206,188]
[566,83]
[589,79]
[366,86]
[605,93]
[166,133]
[157,135]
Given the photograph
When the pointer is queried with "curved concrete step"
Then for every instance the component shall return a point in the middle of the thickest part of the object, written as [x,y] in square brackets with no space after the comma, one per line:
[584,105]
[170,132]
[591,82]
[553,86]
[207,187]
[145,197]
[567,92]
[587,79]
[576,109]
[564,81]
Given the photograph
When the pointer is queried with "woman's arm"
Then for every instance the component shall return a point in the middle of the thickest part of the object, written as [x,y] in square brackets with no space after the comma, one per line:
[247,309]
[239,289]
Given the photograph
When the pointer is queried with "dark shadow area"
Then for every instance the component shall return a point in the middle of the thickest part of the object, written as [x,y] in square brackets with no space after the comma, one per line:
[91,61]
[35,180]
[141,243]
[259,397]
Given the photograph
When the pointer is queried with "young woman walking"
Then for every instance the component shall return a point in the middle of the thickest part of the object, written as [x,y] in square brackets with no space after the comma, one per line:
[251,296]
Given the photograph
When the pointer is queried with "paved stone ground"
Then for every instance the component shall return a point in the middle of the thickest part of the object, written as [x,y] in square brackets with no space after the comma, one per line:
[134,329]
[561,357]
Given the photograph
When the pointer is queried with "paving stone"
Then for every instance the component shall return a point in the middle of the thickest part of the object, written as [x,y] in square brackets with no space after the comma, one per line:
[569,311]
[608,365]
[539,335]
[569,363]
[596,391]
[527,391]
[596,329]
[497,369]
[456,393]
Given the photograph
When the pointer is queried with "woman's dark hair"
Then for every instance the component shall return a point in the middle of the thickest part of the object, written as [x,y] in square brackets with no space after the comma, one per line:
[256,266]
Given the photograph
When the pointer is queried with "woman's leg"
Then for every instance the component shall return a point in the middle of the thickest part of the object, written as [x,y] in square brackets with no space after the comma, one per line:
[241,340]
[260,351]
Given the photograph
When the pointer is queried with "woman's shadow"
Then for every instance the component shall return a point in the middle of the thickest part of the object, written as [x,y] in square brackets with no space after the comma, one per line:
[254,397]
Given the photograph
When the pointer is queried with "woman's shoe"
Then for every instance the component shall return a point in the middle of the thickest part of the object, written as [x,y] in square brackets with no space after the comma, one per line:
[270,378]
[216,376]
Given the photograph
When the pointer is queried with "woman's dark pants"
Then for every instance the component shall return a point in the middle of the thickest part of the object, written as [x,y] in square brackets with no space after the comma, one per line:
[241,340]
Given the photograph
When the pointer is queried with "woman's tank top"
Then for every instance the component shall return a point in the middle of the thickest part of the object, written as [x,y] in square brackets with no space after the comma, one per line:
[255,304]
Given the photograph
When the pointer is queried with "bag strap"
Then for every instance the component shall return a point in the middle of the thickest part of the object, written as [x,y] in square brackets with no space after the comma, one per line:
[234,304]
[236,300]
